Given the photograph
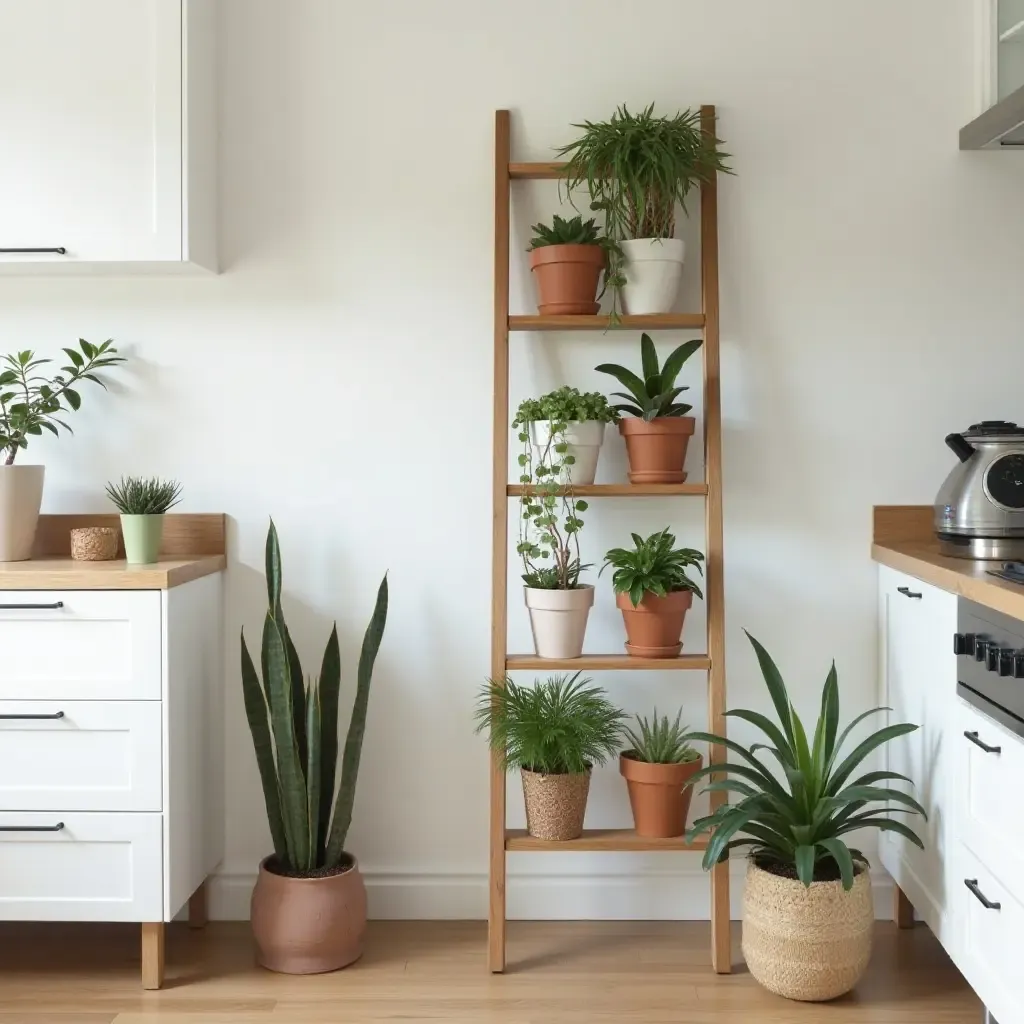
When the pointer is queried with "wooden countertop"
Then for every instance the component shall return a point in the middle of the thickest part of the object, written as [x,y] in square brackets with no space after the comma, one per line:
[903,539]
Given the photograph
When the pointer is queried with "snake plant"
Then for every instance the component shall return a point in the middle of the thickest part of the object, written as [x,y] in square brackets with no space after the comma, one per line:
[294,727]
[653,395]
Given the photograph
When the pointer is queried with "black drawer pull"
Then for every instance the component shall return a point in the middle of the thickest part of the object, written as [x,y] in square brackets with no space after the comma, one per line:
[32,607]
[972,884]
[973,737]
[32,718]
[907,592]
[59,250]
[32,828]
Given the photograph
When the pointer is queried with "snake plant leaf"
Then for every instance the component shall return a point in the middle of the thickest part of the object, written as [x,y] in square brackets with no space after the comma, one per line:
[256,713]
[872,777]
[840,853]
[356,728]
[272,558]
[776,689]
[881,794]
[675,361]
[846,732]
[627,378]
[329,691]
[313,775]
[885,824]
[770,729]
[803,857]
[828,723]
[649,358]
[845,770]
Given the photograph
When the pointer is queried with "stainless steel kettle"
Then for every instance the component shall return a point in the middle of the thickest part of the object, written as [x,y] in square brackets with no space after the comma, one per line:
[979,510]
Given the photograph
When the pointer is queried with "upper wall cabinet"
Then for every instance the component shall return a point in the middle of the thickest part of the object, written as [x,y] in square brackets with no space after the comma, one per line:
[107,135]
[999,41]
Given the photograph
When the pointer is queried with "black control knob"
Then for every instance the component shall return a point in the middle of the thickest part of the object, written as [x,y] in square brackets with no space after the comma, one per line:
[1006,659]
[1018,665]
[992,654]
[969,641]
[959,643]
[981,648]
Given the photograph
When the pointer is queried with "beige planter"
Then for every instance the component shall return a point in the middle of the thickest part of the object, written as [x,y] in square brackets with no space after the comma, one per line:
[555,804]
[21,494]
[308,925]
[558,619]
[809,944]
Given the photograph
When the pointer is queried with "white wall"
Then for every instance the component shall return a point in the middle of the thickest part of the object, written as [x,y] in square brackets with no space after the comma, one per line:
[337,375]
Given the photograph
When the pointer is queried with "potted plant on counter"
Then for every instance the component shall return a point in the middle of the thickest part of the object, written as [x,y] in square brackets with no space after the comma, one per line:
[143,503]
[553,733]
[309,903]
[656,428]
[567,259]
[807,908]
[31,402]
[637,167]
[657,768]
[653,592]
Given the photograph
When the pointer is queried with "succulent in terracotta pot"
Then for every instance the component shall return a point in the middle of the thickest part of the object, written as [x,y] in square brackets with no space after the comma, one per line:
[655,426]
[654,592]
[566,260]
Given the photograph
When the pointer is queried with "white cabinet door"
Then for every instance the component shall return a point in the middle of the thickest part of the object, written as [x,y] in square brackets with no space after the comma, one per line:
[918,670]
[96,150]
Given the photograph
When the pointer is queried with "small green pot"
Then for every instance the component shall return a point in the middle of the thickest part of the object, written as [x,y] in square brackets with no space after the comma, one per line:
[142,536]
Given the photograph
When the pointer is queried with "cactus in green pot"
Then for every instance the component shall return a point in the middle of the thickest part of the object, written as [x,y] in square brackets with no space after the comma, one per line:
[294,726]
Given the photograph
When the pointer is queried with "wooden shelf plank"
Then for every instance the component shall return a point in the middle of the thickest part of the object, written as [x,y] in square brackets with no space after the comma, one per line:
[537,171]
[606,840]
[602,662]
[602,322]
[619,490]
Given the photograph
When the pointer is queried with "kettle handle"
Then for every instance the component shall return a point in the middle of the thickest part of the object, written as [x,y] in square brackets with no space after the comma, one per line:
[960,447]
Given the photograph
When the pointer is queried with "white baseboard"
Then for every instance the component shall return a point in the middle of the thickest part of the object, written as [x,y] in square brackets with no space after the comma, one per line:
[670,896]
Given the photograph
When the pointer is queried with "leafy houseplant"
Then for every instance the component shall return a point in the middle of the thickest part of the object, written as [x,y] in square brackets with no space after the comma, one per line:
[566,260]
[656,427]
[657,768]
[31,401]
[654,592]
[143,503]
[553,732]
[309,904]
[796,833]
[636,168]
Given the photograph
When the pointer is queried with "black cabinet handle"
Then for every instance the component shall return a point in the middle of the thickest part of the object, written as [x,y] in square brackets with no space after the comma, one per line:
[59,250]
[972,884]
[32,718]
[32,607]
[907,592]
[974,738]
[32,828]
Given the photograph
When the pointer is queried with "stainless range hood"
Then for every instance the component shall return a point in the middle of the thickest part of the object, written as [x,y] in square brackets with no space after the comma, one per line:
[1001,126]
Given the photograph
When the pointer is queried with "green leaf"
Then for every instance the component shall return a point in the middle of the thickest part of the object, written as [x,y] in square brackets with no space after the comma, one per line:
[770,729]
[626,377]
[72,354]
[776,688]
[329,691]
[314,768]
[843,772]
[648,357]
[74,399]
[884,824]
[841,855]
[803,859]
[675,361]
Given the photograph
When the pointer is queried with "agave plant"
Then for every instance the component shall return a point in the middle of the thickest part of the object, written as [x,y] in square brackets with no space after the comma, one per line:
[654,394]
[294,727]
[575,231]
[800,825]
[660,740]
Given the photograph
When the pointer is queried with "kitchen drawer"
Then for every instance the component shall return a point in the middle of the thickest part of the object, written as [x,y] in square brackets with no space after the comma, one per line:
[80,755]
[989,938]
[80,645]
[990,783]
[94,867]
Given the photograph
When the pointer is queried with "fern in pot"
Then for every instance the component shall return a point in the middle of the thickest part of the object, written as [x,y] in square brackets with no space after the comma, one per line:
[143,502]
[309,903]
[553,733]
[807,911]
[637,168]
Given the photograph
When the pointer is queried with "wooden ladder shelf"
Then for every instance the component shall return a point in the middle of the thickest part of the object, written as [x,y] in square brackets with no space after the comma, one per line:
[503,839]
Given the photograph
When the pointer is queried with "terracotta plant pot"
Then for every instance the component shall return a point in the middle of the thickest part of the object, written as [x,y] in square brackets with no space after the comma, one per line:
[567,277]
[21,494]
[810,944]
[558,619]
[658,795]
[308,925]
[654,626]
[584,440]
[657,450]
[555,804]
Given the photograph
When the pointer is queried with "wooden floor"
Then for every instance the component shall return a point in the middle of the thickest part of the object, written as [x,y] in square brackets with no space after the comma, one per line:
[560,973]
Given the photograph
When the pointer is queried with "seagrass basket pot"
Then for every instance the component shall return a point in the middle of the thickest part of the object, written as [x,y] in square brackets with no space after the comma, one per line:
[811,944]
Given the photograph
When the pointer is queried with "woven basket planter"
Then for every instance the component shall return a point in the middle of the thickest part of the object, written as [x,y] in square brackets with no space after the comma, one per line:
[94,544]
[809,944]
[555,804]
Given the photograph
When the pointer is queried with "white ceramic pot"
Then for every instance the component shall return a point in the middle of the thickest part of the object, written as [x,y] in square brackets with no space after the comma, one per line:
[653,268]
[584,440]
[558,619]
[21,494]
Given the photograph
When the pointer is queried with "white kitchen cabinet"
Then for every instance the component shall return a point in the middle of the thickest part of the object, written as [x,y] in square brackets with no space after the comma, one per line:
[918,681]
[999,77]
[108,114]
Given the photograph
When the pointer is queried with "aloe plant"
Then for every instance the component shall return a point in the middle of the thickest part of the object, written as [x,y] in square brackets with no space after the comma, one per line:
[294,726]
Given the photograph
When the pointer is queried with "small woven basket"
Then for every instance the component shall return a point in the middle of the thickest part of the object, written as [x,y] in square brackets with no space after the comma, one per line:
[555,804]
[94,544]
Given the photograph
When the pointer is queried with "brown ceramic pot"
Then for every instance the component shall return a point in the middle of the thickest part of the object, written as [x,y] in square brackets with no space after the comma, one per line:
[308,925]
[654,626]
[658,795]
[657,450]
[567,277]
[555,804]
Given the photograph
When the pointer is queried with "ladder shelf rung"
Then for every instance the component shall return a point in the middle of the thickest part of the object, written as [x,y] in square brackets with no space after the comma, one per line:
[537,171]
[610,662]
[602,322]
[616,490]
[607,840]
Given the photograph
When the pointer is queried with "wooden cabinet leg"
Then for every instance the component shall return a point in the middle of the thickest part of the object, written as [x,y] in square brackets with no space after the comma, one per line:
[721,925]
[902,909]
[152,954]
[197,915]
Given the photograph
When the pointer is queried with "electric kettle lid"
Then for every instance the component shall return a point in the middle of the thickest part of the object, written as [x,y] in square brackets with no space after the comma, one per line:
[994,430]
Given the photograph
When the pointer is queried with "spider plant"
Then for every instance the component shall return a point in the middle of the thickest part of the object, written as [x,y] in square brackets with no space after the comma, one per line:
[660,741]
[654,394]
[800,824]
